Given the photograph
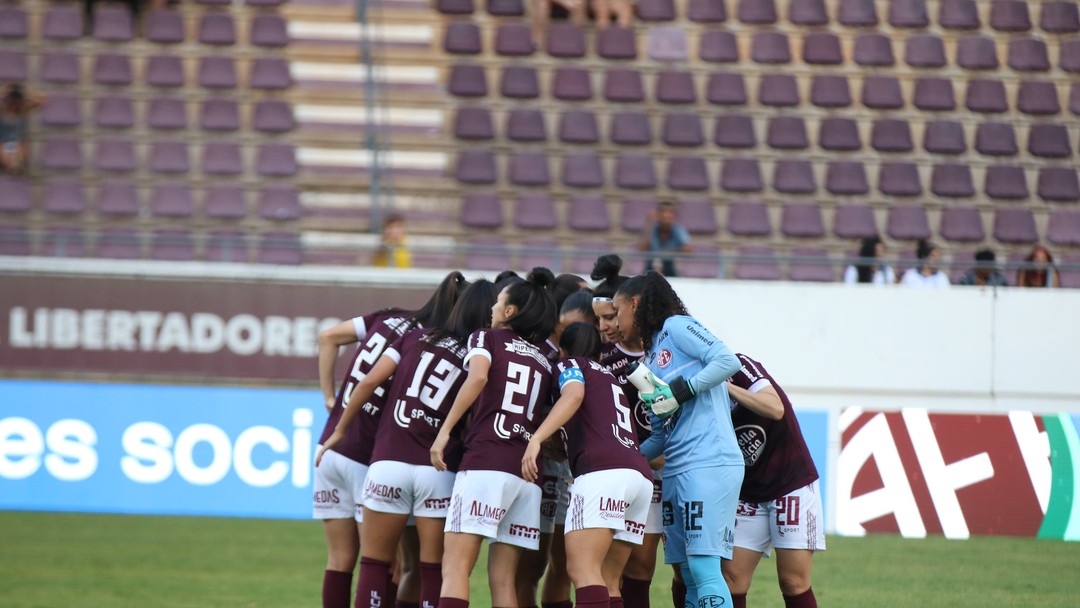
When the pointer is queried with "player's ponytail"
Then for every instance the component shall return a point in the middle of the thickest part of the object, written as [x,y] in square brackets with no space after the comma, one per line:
[657,301]
[471,312]
[606,270]
[581,340]
[536,311]
[436,310]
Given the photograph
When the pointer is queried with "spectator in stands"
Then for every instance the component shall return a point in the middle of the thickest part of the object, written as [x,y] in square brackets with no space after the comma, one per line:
[393,251]
[871,266]
[927,273]
[985,273]
[621,10]
[662,238]
[545,10]
[134,5]
[1038,270]
[15,108]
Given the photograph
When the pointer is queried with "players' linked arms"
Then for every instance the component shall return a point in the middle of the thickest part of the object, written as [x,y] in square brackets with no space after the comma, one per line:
[330,340]
[383,370]
[472,387]
[765,402]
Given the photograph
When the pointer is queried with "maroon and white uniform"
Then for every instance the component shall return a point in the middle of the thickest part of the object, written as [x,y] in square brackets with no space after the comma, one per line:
[428,378]
[612,481]
[555,478]
[490,497]
[780,502]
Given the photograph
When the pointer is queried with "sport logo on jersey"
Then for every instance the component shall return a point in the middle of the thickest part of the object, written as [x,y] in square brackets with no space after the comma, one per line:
[663,358]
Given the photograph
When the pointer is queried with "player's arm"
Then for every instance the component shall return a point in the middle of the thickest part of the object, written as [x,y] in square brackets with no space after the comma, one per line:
[653,447]
[764,402]
[330,340]
[383,370]
[720,363]
[472,387]
[573,393]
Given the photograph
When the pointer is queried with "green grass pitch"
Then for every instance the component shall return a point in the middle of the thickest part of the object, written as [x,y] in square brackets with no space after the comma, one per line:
[89,561]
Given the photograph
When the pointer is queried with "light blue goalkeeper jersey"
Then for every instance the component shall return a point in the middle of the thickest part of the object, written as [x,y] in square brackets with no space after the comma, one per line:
[700,433]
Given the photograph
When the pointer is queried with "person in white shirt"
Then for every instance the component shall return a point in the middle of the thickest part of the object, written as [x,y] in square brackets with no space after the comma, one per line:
[926,274]
[870,267]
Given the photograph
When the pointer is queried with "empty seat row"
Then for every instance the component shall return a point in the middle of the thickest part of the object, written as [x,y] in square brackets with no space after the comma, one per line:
[169,113]
[217,158]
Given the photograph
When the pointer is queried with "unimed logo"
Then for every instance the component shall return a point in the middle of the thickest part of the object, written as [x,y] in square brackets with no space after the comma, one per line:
[524,531]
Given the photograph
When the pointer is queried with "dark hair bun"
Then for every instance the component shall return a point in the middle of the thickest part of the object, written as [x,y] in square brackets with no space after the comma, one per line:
[541,276]
[607,267]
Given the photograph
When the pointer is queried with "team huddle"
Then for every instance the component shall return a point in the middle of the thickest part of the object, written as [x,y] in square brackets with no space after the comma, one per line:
[573,428]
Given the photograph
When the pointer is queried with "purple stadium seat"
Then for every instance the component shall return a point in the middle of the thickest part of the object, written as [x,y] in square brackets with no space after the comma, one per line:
[467,80]
[794,177]
[481,210]
[167,113]
[114,155]
[1005,182]
[63,197]
[854,221]
[1059,17]
[962,225]
[16,194]
[1063,227]
[270,73]
[13,66]
[706,11]
[273,116]
[473,124]
[60,67]
[171,200]
[505,8]
[571,84]
[64,241]
[112,23]
[811,264]
[687,173]
[118,244]
[526,124]
[977,53]
[217,29]
[705,263]
[1010,16]
[846,177]
[891,135]
[857,13]
[519,82]
[454,7]
[269,30]
[169,157]
[634,213]
[630,129]
[958,15]
[61,153]
[582,170]
[61,110]
[476,167]
[114,112]
[529,168]
[564,40]
[226,246]
[682,129]
[1049,141]
[787,133]
[540,251]
[164,26]
[873,50]
[623,85]
[164,71]
[1015,225]
[224,201]
[655,10]
[698,215]
[1037,97]
[899,179]
[756,11]
[1028,55]
[726,88]
[117,198]
[934,94]
[635,172]
[675,87]
[1058,184]
[770,47]
[534,212]
[718,46]
[908,13]
[779,90]
[222,158]
[748,218]
[882,93]
[280,248]
[741,175]
[839,134]
[924,51]
[462,38]
[808,12]
[820,48]
[514,40]
[667,43]
[907,222]
[986,96]
[952,180]
[1070,271]
[756,263]
[944,137]
[734,131]
[276,160]
[279,203]
[217,73]
[616,43]
[995,139]
[588,213]
[578,127]
[1074,98]
[13,23]
[63,22]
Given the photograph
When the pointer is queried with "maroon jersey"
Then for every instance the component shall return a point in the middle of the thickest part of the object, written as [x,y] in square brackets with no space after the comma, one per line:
[602,435]
[776,457]
[615,359]
[425,384]
[508,410]
[382,329]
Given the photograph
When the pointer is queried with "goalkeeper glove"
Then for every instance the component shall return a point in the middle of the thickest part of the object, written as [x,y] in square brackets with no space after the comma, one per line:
[661,398]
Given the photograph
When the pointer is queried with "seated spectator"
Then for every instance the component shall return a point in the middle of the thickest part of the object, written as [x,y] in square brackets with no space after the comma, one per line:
[927,273]
[393,251]
[871,267]
[1038,270]
[662,238]
[544,10]
[15,108]
[985,273]
[621,10]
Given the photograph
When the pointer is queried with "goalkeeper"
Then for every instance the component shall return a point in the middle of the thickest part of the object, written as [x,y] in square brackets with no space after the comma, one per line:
[687,368]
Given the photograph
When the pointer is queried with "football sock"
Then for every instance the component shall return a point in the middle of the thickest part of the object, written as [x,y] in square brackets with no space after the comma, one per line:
[805,599]
[336,589]
[430,584]
[403,604]
[635,592]
[738,600]
[453,602]
[391,592]
[678,594]
[690,593]
[562,604]
[372,584]
[593,596]
[615,602]
[709,584]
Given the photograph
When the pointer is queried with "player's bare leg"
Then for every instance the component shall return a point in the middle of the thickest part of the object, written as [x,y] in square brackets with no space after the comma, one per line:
[586,553]
[793,570]
[430,531]
[380,536]
[503,562]
[614,564]
[460,551]
[739,573]
[638,574]
[556,590]
[530,570]
[342,549]
[408,568]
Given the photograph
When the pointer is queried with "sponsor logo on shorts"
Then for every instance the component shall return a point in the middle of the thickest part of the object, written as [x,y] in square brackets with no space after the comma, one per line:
[751,438]
[524,531]
[663,358]
[381,492]
[749,509]
[635,528]
[326,497]
[550,489]
[657,491]
[485,513]
[669,513]
[611,508]
[437,503]
[548,509]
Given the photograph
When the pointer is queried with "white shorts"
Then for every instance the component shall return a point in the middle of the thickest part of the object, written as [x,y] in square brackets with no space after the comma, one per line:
[338,488]
[654,523]
[554,488]
[617,498]
[398,487]
[502,507]
[793,521]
